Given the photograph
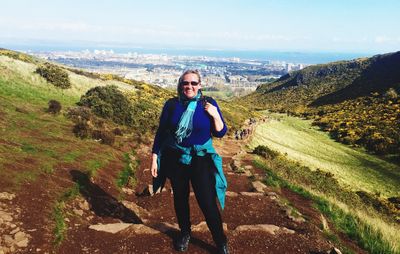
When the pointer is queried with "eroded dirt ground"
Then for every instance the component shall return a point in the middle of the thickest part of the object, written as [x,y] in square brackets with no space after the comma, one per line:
[102,219]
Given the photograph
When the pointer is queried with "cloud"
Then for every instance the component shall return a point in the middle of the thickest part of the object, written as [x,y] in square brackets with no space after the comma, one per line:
[84,30]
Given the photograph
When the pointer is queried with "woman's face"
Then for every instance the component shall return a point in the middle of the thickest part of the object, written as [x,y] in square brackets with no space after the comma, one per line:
[190,85]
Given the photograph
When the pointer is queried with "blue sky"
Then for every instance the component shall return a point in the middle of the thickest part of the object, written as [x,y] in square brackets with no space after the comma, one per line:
[314,25]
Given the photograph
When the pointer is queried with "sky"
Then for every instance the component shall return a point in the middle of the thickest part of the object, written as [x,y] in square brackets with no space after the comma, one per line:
[371,26]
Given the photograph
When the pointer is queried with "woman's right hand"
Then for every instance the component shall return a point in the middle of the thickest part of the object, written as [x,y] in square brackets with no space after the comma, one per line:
[154,166]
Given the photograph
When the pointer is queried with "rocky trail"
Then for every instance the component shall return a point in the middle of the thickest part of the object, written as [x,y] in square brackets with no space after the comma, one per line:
[257,218]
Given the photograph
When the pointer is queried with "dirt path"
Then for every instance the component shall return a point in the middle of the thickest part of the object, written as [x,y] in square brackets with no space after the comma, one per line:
[257,218]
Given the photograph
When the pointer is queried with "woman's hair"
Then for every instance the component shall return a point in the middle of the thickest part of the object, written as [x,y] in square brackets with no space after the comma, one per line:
[190,71]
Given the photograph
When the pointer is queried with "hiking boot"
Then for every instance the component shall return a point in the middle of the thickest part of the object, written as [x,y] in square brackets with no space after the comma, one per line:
[182,242]
[223,249]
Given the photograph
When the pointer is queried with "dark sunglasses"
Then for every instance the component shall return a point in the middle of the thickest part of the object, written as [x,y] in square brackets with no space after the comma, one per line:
[193,83]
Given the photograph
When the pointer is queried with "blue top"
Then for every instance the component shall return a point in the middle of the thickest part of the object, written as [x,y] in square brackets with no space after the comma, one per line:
[203,124]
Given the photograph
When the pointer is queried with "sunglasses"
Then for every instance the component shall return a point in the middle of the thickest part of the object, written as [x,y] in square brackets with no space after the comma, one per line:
[193,83]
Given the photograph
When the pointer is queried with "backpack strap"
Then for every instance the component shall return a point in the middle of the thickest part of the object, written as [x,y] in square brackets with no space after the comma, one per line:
[205,99]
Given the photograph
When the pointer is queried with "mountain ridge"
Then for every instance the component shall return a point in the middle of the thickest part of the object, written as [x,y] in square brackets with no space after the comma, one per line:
[324,83]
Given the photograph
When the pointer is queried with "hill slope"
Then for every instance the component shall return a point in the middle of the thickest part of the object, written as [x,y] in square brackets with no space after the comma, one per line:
[356,101]
[330,83]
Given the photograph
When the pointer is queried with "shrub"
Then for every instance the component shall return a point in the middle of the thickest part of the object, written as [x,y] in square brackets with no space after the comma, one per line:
[54,107]
[117,132]
[108,102]
[395,201]
[79,113]
[54,74]
[106,137]
[82,129]
[265,152]
[18,55]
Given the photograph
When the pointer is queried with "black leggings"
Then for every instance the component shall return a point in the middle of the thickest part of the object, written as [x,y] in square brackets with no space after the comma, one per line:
[201,173]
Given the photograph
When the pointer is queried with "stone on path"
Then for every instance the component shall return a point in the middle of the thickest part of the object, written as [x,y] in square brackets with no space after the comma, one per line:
[19,236]
[128,191]
[17,229]
[110,228]
[6,196]
[138,210]
[269,228]
[259,186]
[84,205]
[143,229]
[202,227]
[23,243]
[231,194]
[5,216]
[8,240]
[251,194]
[78,212]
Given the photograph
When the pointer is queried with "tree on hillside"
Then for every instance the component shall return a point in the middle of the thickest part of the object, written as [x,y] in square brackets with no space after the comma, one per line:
[54,75]
[109,102]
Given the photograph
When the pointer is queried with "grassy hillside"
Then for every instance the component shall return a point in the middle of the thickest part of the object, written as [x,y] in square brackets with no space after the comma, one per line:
[34,142]
[353,168]
[364,186]
[356,101]
[27,130]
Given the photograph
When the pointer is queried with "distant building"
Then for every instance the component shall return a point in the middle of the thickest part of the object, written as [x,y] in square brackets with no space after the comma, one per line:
[289,67]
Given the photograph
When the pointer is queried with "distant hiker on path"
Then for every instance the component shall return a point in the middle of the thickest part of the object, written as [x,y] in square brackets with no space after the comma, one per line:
[183,152]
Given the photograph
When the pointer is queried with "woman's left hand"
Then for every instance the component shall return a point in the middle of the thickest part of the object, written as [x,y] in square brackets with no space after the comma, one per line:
[211,110]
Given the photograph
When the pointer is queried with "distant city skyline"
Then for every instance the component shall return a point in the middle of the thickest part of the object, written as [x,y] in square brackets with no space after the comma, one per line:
[362,26]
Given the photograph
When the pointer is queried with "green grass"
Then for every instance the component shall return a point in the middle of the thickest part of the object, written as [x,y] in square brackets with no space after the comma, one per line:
[364,234]
[60,228]
[60,225]
[127,175]
[353,168]
[47,168]
[72,155]
[34,142]
[92,166]
[28,148]
[355,225]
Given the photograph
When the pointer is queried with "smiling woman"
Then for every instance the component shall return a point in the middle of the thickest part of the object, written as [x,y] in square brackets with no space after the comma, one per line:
[190,85]
[183,152]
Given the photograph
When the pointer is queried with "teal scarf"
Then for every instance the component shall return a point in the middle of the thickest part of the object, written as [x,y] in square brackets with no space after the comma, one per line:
[201,150]
[185,126]
[186,158]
